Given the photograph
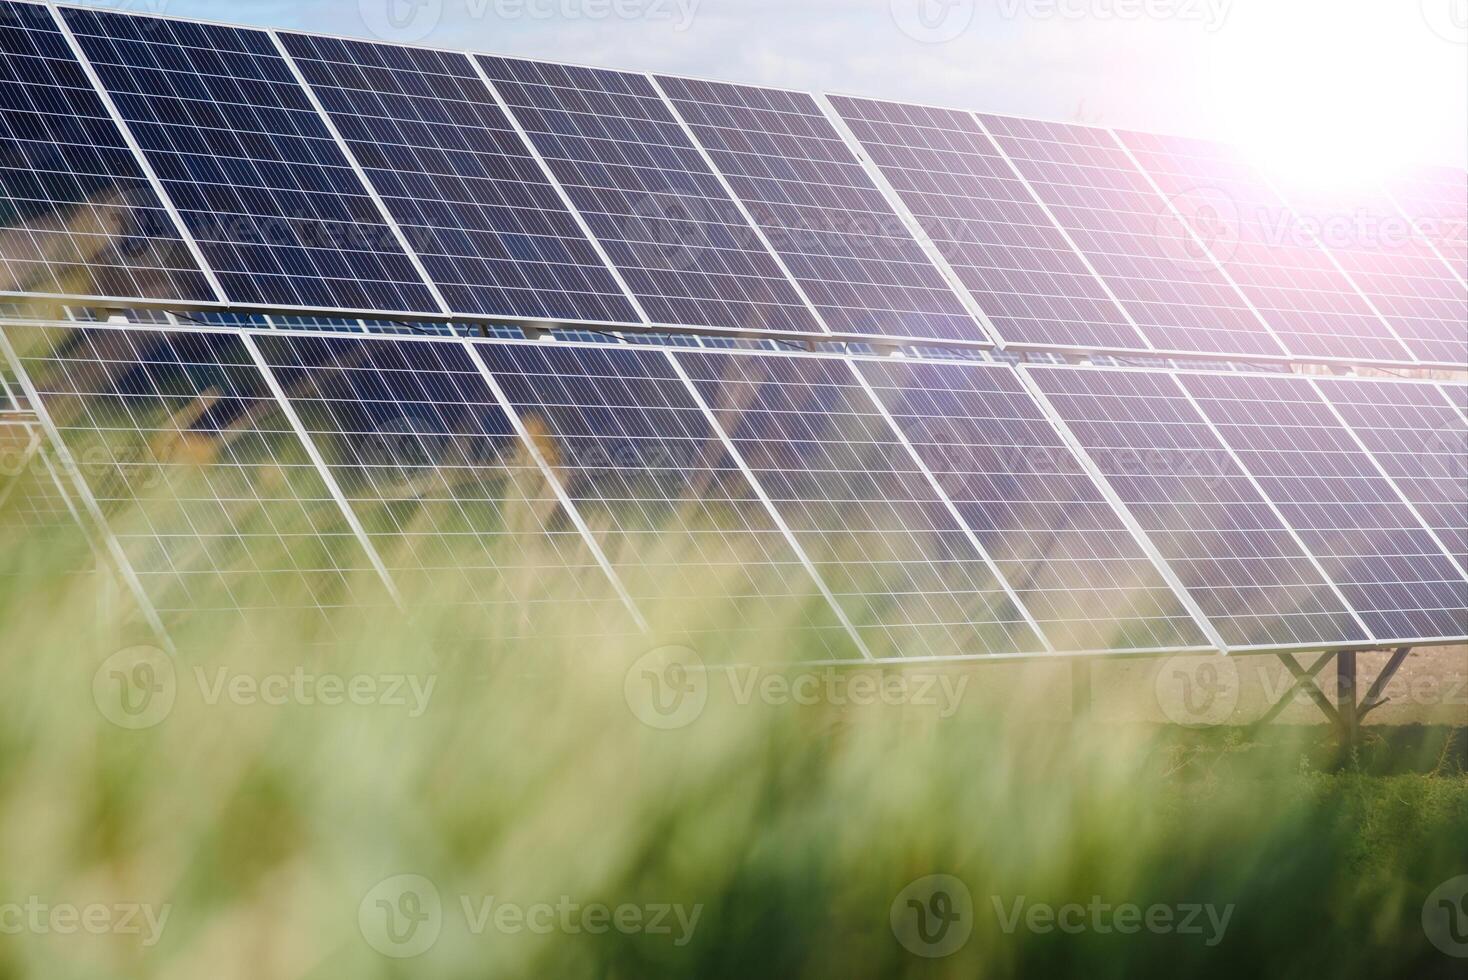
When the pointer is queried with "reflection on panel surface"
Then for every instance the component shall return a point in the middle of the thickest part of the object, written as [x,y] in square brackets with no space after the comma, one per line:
[212,498]
[1240,563]
[455,504]
[899,564]
[675,516]
[1055,538]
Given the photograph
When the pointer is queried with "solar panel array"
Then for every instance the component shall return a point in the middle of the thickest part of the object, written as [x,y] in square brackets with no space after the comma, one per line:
[317,201]
[301,173]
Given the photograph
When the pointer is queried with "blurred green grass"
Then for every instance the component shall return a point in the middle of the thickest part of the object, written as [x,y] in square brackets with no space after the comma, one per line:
[532,775]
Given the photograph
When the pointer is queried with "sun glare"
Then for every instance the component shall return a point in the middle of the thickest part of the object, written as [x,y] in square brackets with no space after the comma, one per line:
[1338,94]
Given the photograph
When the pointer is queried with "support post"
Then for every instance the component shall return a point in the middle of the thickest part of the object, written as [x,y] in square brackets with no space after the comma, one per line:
[1080,689]
[1347,707]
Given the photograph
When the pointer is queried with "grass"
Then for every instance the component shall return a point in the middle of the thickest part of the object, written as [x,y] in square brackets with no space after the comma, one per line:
[539,774]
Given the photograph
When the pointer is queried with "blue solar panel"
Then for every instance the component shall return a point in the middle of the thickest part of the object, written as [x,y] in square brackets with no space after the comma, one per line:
[1419,440]
[453,501]
[1373,547]
[213,500]
[901,567]
[490,228]
[77,214]
[1053,535]
[261,184]
[677,519]
[1033,287]
[1164,278]
[1238,560]
[630,169]
[810,195]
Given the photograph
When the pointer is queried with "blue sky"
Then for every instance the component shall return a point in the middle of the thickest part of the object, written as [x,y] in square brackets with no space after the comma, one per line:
[1300,81]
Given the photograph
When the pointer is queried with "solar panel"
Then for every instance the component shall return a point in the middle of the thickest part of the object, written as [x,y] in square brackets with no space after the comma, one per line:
[1421,443]
[446,491]
[1163,276]
[811,196]
[1436,198]
[262,185]
[1405,279]
[1031,284]
[1056,540]
[491,230]
[38,522]
[631,170]
[1313,307]
[77,214]
[213,501]
[1239,561]
[901,567]
[678,520]
[1390,569]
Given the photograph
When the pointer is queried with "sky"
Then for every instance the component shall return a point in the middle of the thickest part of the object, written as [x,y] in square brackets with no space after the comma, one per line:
[1334,90]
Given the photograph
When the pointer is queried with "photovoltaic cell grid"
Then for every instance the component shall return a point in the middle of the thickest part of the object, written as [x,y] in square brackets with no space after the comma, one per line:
[1421,443]
[1056,540]
[209,493]
[882,540]
[675,235]
[475,206]
[449,495]
[1313,308]
[811,196]
[1017,265]
[1133,238]
[1240,563]
[1437,198]
[677,519]
[254,171]
[1410,284]
[1371,545]
[77,215]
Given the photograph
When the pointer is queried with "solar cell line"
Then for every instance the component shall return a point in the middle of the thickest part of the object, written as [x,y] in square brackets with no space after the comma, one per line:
[949,505]
[548,472]
[1065,234]
[739,204]
[550,177]
[1343,562]
[769,505]
[1139,534]
[1225,527]
[1460,404]
[355,164]
[909,220]
[1377,465]
[83,492]
[314,453]
[137,152]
